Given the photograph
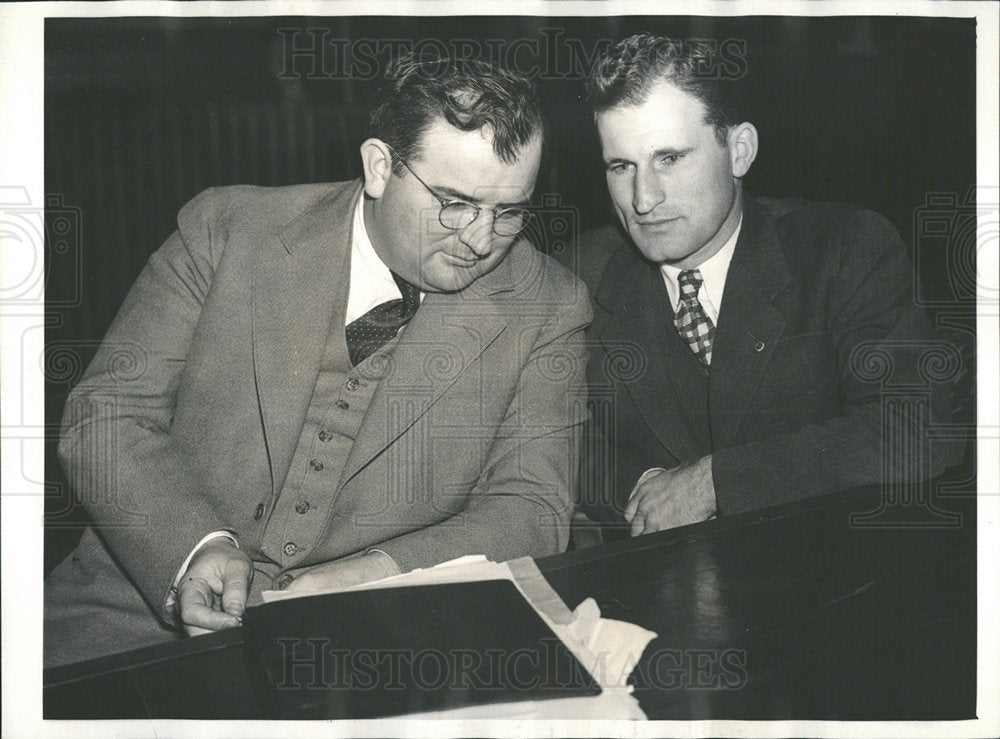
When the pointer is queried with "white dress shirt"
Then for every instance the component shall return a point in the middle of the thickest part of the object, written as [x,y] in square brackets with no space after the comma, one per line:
[371,280]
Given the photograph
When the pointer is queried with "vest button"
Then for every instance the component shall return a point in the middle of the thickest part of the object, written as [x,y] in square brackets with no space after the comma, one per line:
[259,513]
[290,549]
[325,435]
[352,384]
[342,404]
[302,507]
[284,580]
[316,465]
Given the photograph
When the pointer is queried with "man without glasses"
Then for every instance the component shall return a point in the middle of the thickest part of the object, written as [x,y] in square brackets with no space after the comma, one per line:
[343,381]
[729,330]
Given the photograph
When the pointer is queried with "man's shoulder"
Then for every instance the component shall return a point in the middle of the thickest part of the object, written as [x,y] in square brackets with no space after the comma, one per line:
[590,256]
[529,284]
[821,242]
[254,207]
[541,273]
[839,223]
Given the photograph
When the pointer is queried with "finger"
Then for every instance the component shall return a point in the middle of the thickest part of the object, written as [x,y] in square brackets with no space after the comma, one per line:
[638,525]
[206,618]
[651,524]
[302,582]
[633,504]
[234,594]
[194,599]
[630,511]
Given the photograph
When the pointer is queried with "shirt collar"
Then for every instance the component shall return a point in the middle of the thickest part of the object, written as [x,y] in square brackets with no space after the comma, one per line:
[713,273]
[371,280]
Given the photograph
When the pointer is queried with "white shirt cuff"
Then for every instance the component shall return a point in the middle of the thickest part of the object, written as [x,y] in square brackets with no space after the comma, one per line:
[372,550]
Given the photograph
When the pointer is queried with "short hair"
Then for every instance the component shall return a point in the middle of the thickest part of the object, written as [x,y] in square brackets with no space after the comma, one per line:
[626,73]
[469,94]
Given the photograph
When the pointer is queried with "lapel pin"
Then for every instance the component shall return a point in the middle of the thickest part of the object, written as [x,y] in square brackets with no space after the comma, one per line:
[759,346]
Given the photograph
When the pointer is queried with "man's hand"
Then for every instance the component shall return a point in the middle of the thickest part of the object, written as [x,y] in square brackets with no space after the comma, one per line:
[213,592]
[346,572]
[669,498]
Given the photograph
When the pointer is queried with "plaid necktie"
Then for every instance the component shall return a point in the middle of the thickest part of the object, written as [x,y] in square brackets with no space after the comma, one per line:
[691,321]
[367,334]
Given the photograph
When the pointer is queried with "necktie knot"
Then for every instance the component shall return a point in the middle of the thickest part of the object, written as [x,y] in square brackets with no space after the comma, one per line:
[410,293]
[690,282]
[370,332]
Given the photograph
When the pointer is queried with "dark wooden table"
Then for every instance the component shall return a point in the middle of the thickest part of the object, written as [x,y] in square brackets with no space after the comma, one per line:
[796,612]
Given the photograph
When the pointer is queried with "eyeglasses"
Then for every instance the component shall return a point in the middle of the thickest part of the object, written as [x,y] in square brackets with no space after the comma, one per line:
[457,214]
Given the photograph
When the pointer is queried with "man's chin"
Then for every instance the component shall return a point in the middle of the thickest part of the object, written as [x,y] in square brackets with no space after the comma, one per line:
[460,277]
[454,282]
[658,251]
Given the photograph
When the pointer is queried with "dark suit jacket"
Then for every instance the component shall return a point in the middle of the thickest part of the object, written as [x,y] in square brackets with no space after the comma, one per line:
[817,330]
[187,419]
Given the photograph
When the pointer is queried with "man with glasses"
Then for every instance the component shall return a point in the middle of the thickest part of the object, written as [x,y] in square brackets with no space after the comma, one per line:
[342,382]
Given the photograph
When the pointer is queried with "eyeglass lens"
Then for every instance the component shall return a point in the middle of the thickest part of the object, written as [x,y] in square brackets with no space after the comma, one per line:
[506,223]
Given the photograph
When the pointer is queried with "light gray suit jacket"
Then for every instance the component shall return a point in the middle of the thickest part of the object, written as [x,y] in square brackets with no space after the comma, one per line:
[188,417]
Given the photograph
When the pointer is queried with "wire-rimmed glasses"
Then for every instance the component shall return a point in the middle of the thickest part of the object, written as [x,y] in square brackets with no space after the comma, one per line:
[457,214]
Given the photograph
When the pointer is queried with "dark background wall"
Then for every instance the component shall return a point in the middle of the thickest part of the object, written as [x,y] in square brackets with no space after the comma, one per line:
[143,113]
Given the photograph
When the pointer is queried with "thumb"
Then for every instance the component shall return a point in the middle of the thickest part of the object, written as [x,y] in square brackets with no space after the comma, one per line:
[234,591]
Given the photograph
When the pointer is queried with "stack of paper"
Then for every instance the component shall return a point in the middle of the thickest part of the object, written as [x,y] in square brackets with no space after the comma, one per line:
[608,649]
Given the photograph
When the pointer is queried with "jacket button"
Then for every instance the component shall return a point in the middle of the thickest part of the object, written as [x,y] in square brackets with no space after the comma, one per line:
[316,464]
[352,384]
[284,580]
[259,513]
[302,507]
[325,435]
[290,549]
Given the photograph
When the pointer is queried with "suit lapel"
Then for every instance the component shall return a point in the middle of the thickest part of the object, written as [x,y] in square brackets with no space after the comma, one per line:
[750,322]
[634,293]
[444,338]
[301,280]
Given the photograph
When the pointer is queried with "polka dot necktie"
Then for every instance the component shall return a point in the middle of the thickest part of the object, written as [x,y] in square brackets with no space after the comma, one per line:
[367,334]
[692,323]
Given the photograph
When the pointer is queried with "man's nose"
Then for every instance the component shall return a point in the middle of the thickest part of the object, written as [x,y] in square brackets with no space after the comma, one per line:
[647,191]
[478,235]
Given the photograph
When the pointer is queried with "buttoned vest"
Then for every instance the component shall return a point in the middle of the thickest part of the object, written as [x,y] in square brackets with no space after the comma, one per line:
[337,408]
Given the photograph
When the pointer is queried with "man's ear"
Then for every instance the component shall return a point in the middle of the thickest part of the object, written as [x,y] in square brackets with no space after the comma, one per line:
[376,159]
[742,142]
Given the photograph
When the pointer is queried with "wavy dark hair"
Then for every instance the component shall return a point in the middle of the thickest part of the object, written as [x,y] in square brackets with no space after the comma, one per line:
[625,74]
[469,94]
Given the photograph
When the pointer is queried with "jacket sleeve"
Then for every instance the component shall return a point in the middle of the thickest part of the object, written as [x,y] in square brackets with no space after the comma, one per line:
[522,503]
[885,350]
[116,445]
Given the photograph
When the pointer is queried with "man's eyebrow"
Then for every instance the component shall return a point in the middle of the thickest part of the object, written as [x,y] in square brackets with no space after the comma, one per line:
[453,193]
[672,151]
[664,151]
[458,195]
